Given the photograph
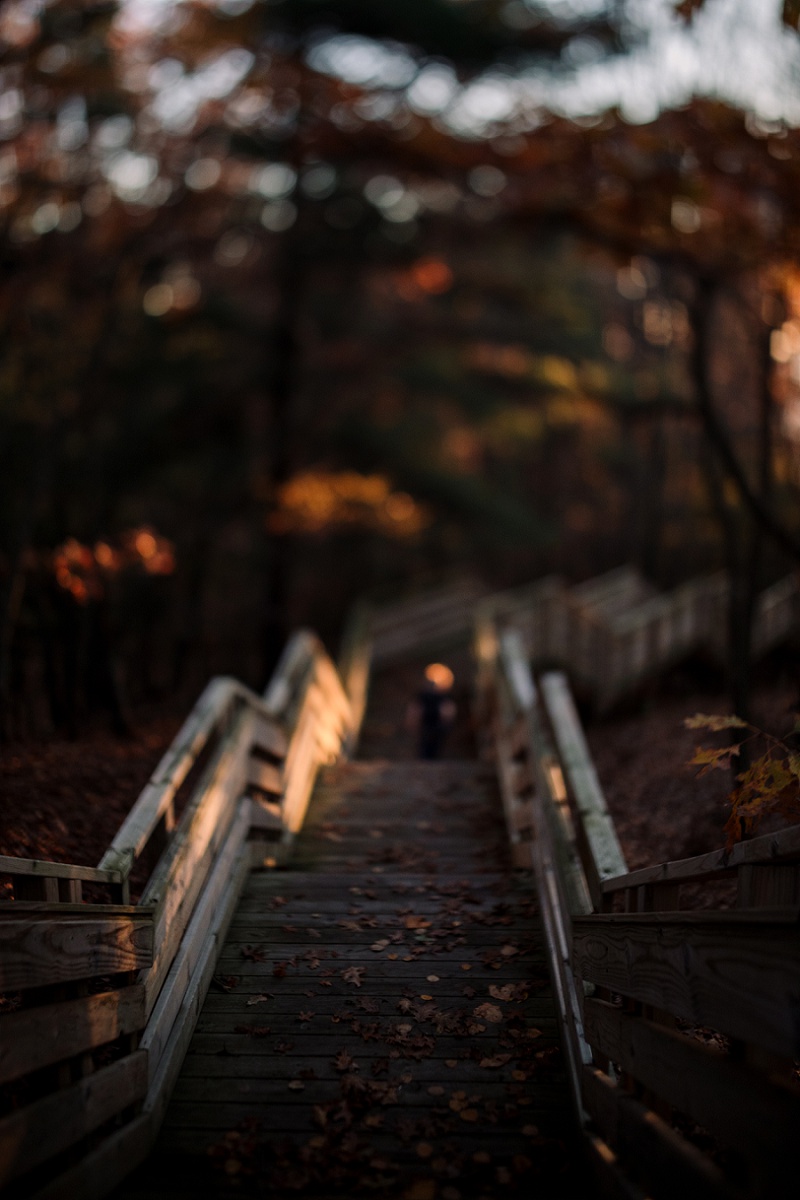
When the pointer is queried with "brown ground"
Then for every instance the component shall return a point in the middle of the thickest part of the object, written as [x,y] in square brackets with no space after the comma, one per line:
[64,800]
[661,809]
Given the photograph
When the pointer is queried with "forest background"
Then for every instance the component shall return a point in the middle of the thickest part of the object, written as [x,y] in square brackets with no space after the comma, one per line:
[306,298]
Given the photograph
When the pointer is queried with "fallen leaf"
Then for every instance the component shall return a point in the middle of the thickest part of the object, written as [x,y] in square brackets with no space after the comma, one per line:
[469,1114]
[253,1030]
[381,945]
[226,983]
[509,951]
[466,966]
[305,1016]
[530,1130]
[436,1090]
[424,1149]
[480,1156]
[254,954]
[518,1076]
[451,1062]
[296,1086]
[343,1061]
[353,975]
[432,978]
[416,923]
[495,1060]
[425,996]
[260,999]
[489,1012]
[509,991]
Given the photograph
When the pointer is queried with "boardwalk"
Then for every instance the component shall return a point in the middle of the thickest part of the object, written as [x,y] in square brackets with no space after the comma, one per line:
[381,1018]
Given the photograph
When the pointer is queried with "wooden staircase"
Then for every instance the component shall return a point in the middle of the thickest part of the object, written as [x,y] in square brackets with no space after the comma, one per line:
[383,1015]
[431,981]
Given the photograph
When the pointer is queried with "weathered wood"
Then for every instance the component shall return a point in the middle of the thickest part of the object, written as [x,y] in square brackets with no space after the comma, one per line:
[44,888]
[160,791]
[603,858]
[295,661]
[265,777]
[40,948]
[103,1168]
[40,868]
[33,1038]
[268,736]
[733,971]
[34,1134]
[201,931]
[739,1106]
[768,885]
[655,1154]
[354,668]
[174,888]
[775,847]
[174,1049]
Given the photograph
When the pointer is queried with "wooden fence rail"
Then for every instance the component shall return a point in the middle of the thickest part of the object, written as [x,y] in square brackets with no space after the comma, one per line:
[100,1000]
[673,1017]
[614,632]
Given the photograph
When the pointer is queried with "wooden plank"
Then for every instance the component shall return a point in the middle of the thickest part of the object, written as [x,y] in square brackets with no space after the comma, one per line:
[296,659]
[768,885]
[52,870]
[596,826]
[268,735]
[105,1167]
[159,793]
[354,665]
[46,948]
[265,777]
[32,1135]
[175,886]
[655,1154]
[33,1038]
[781,846]
[736,972]
[33,888]
[738,1105]
[174,1050]
[170,1000]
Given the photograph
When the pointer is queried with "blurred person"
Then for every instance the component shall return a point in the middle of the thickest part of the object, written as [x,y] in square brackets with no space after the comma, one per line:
[433,712]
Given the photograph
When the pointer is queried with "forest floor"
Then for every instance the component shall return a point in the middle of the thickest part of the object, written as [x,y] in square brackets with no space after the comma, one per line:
[64,800]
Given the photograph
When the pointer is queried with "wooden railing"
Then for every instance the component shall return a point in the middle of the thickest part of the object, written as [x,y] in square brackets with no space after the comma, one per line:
[614,632]
[680,1024]
[433,619]
[100,1000]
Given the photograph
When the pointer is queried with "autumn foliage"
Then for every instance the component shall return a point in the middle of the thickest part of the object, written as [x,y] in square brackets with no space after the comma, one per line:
[768,787]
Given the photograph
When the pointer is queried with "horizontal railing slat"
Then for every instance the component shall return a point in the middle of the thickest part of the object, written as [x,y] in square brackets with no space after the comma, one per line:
[735,972]
[36,1133]
[33,1038]
[658,1156]
[735,1103]
[37,949]
[768,848]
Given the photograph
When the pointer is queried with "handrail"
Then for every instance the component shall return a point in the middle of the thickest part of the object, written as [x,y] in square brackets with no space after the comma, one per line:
[735,970]
[256,760]
[769,849]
